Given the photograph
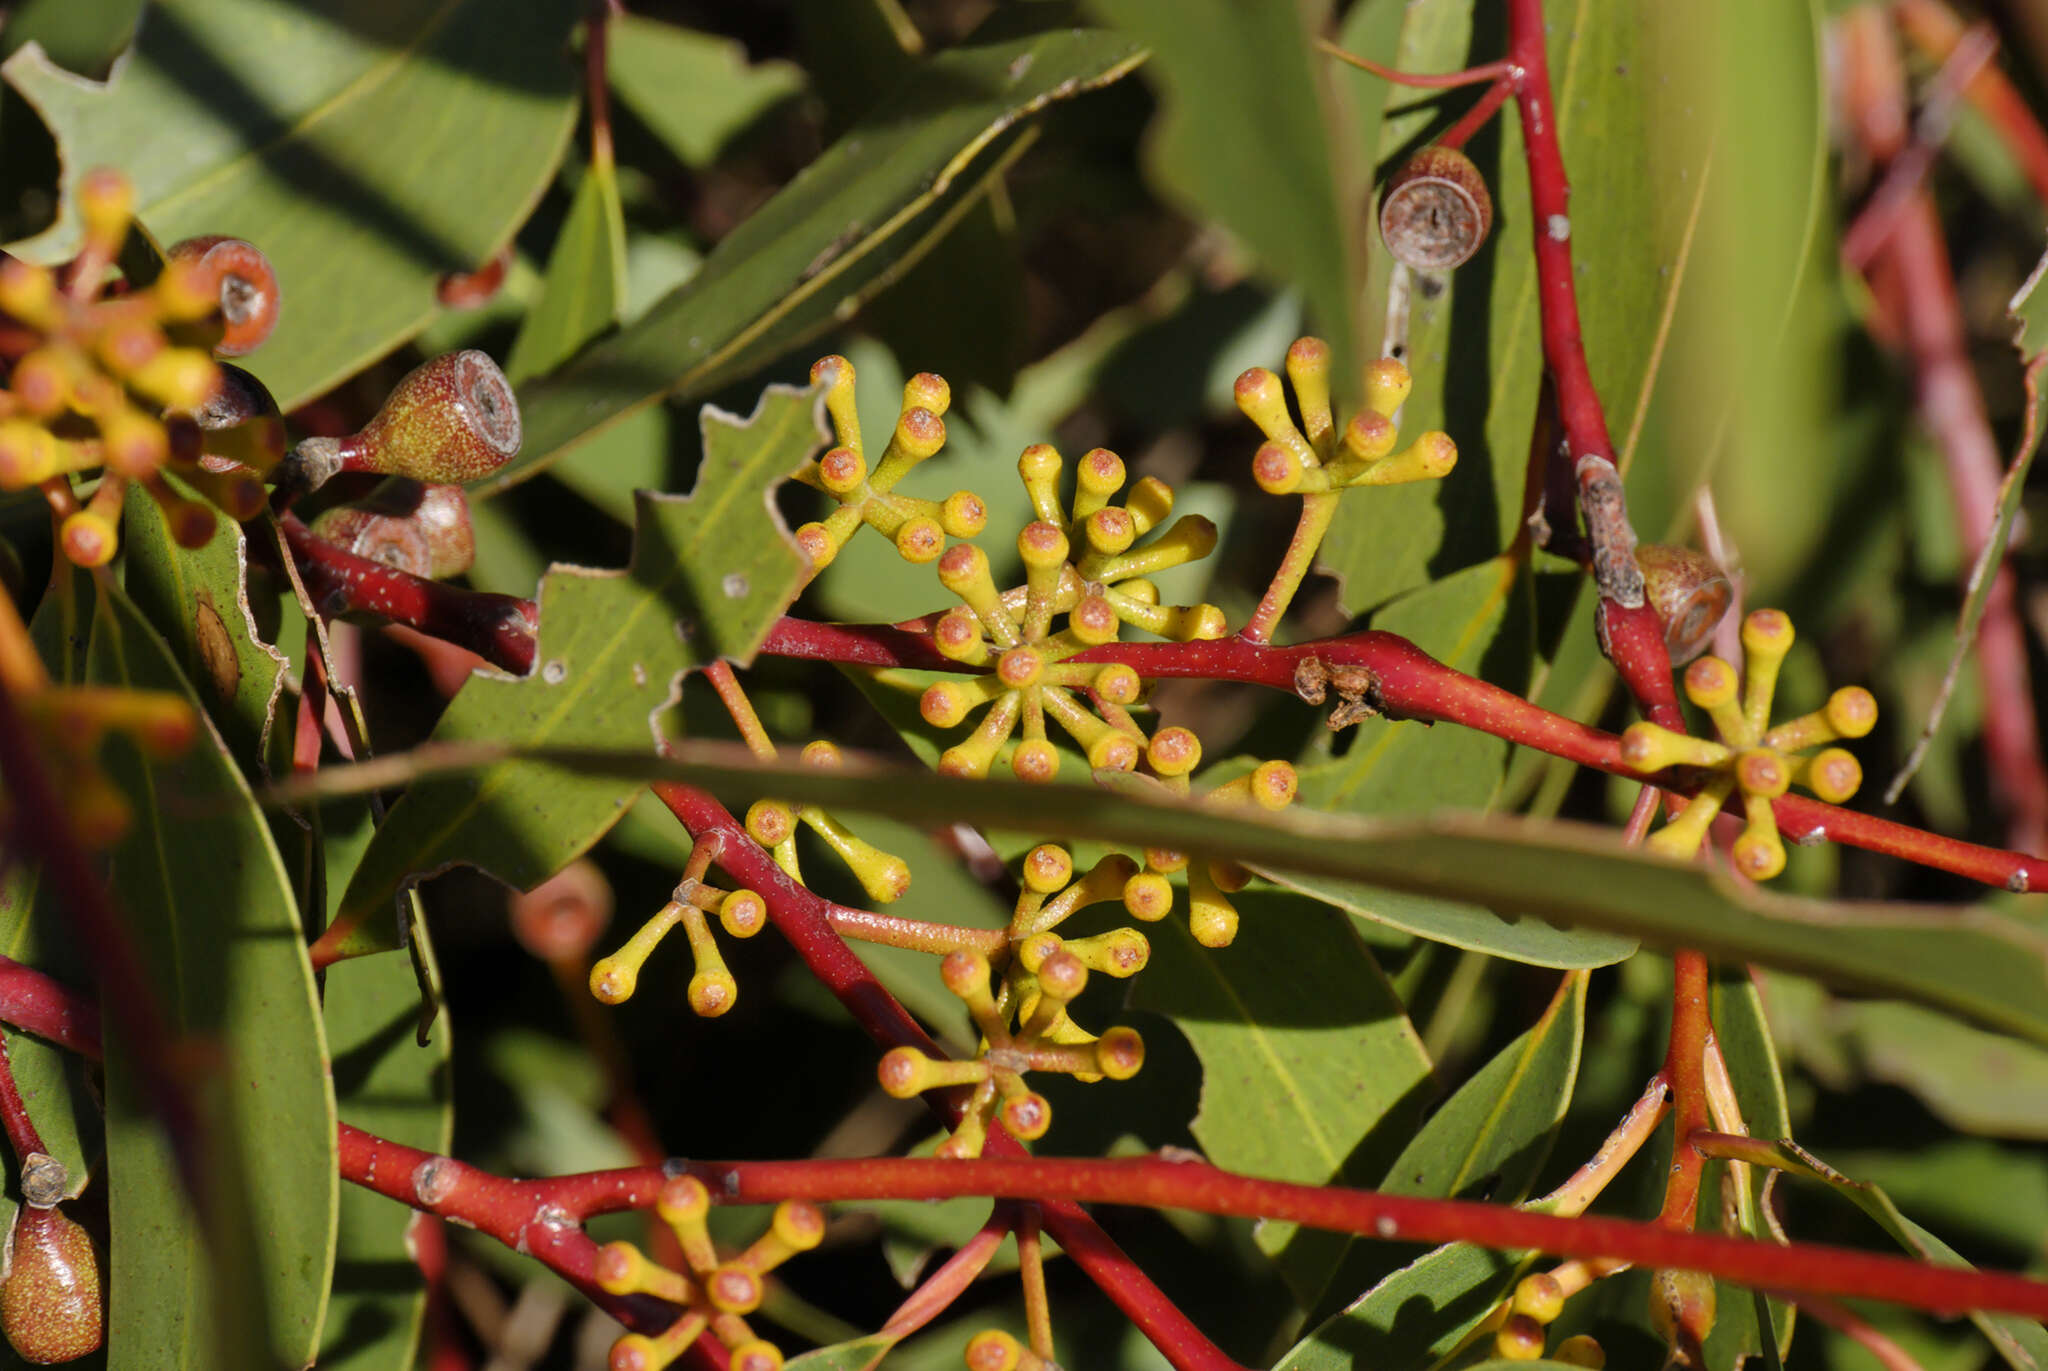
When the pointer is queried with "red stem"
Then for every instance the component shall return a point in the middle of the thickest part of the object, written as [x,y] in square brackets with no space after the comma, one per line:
[1935,29]
[1685,1058]
[21,1129]
[496,1205]
[498,628]
[54,1012]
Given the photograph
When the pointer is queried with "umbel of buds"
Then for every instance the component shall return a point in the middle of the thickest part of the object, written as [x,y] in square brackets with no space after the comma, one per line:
[450,420]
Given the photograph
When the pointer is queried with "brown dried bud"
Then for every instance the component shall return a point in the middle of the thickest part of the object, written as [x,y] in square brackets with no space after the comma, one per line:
[241,277]
[561,917]
[1435,211]
[50,1305]
[1690,594]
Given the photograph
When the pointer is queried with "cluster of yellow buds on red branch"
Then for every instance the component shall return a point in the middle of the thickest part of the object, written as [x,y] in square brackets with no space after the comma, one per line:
[1098,591]
[1045,976]
[120,376]
[1519,1325]
[918,528]
[1319,462]
[715,1295]
[1752,758]
[712,990]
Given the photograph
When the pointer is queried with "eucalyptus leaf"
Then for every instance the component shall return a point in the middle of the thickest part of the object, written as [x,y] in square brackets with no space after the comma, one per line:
[213,915]
[838,233]
[366,149]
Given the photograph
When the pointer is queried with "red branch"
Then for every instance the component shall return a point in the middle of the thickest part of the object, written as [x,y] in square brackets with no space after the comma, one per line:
[21,1129]
[496,1205]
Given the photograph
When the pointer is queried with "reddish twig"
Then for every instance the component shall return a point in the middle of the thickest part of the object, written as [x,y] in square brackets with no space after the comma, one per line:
[498,628]
[21,1129]
[1449,80]
[1685,1071]
[53,1011]
[1935,29]
[496,1205]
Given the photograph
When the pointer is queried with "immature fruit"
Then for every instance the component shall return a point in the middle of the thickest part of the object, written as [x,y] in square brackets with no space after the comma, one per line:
[450,420]
[50,1303]
[240,276]
[1435,212]
[1690,594]
[422,529]
[1682,1312]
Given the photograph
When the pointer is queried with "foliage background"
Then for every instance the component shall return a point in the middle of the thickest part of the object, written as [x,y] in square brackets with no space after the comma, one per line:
[1096,274]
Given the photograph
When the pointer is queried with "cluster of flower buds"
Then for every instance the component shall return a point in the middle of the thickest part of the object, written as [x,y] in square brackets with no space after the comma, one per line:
[1082,562]
[883,875]
[712,991]
[1752,758]
[126,381]
[1319,462]
[1149,895]
[918,528]
[1045,976]
[714,1295]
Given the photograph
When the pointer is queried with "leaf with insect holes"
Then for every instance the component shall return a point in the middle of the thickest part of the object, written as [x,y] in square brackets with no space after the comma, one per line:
[710,573]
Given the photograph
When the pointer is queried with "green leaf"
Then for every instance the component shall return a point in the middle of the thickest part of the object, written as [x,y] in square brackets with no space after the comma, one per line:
[199,600]
[211,912]
[365,149]
[2022,1342]
[1973,962]
[847,1356]
[1524,938]
[585,286]
[837,234]
[1976,1082]
[1413,1317]
[694,90]
[1245,142]
[709,574]
[1496,1131]
[386,1084]
[1309,1063]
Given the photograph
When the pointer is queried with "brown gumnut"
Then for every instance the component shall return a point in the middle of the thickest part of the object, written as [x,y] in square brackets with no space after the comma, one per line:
[1682,1312]
[561,917]
[50,1305]
[1690,594]
[239,424]
[474,289]
[450,420]
[241,277]
[418,528]
[1436,211]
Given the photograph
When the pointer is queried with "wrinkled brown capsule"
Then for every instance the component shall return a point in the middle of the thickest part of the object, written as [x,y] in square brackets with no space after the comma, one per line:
[453,419]
[50,1305]
[1436,211]
[423,529]
[1690,594]
[241,277]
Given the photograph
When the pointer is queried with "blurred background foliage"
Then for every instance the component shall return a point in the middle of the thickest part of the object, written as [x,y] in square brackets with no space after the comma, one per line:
[1096,272]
